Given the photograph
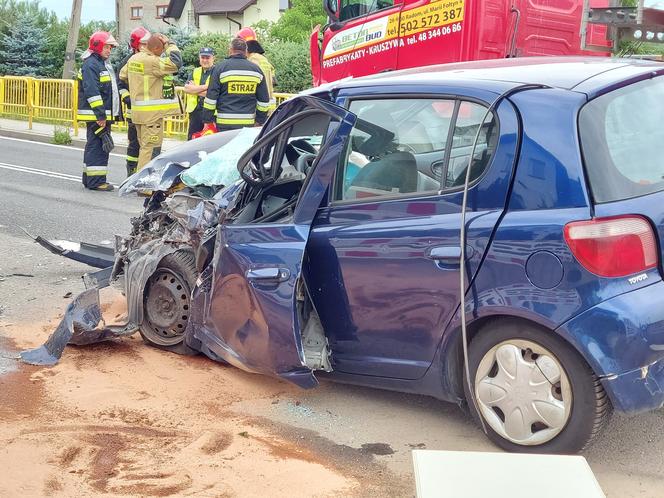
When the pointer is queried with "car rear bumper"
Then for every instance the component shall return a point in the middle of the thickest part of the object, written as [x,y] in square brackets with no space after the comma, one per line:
[638,390]
[623,341]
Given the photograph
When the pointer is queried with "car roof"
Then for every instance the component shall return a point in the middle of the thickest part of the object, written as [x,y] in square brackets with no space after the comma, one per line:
[583,74]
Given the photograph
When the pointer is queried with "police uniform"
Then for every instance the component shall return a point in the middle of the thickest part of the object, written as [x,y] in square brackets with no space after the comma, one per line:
[199,76]
[238,92]
[151,99]
[132,147]
[98,99]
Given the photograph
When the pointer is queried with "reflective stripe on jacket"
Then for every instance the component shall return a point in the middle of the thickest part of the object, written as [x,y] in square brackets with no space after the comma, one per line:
[145,74]
[97,92]
[238,91]
[197,78]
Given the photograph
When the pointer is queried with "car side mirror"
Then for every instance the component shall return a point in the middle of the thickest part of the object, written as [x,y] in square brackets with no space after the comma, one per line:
[331,8]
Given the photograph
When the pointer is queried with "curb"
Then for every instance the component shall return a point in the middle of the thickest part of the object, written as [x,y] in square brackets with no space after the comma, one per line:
[76,143]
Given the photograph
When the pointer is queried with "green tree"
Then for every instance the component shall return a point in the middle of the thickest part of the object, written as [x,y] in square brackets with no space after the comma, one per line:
[54,51]
[297,23]
[292,65]
[22,48]
[11,10]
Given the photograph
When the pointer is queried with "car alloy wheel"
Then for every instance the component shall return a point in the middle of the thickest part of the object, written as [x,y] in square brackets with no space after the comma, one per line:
[523,392]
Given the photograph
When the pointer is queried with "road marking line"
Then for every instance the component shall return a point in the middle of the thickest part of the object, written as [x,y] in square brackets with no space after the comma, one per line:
[29,169]
[41,172]
[67,147]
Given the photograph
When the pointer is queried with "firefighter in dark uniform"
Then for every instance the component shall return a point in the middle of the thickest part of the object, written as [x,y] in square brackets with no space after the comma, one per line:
[98,106]
[237,91]
[137,40]
[196,89]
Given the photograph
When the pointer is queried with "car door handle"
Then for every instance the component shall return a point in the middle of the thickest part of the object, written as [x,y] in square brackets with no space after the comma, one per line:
[448,254]
[445,254]
[268,275]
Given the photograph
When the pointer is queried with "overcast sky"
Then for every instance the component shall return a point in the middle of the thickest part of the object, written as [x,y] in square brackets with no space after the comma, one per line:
[93,10]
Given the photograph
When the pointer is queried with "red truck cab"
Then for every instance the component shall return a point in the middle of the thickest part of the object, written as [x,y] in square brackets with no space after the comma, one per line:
[372,36]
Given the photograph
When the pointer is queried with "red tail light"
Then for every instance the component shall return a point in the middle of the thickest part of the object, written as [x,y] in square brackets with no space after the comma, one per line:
[613,247]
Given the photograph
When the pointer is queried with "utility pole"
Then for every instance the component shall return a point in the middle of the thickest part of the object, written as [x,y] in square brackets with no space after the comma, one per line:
[74,26]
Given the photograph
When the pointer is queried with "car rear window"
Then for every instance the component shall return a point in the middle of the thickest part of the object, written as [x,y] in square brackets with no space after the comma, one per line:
[622,140]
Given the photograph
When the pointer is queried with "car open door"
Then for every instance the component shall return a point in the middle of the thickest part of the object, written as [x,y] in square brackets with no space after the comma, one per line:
[244,309]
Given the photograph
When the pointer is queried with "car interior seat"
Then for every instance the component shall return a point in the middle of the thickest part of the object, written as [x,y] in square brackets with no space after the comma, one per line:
[393,173]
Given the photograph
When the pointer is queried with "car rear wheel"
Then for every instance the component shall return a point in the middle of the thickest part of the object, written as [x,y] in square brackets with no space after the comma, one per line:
[534,393]
[167,302]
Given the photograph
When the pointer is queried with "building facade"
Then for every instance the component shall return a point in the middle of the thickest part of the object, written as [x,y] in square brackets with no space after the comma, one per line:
[130,14]
[222,16]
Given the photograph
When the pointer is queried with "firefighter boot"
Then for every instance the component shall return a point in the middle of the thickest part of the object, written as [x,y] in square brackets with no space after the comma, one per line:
[104,187]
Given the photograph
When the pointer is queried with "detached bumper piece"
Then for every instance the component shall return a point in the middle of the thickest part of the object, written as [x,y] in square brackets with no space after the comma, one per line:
[88,254]
[78,327]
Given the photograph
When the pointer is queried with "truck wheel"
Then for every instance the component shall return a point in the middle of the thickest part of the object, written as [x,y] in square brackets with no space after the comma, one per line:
[167,302]
[533,391]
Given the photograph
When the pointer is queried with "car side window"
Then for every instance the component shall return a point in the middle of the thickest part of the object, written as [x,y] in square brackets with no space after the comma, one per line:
[413,146]
[468,121]
[350,9]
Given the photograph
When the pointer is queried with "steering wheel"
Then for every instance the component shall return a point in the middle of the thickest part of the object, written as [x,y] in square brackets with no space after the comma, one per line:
[304,162]
[249,173]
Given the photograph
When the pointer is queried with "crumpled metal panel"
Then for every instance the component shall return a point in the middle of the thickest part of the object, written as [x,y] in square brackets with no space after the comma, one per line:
[192,215]
[161,173]
[78,327]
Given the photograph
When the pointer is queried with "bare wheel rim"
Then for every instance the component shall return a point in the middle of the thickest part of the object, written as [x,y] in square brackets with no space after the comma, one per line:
[523,392]
[166,308]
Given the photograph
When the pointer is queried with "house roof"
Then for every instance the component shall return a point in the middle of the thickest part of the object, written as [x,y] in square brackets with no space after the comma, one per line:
[208,7]
[175,8]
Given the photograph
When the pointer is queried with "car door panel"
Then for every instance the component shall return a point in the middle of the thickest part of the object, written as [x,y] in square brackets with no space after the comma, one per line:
[382,299]
[247,294]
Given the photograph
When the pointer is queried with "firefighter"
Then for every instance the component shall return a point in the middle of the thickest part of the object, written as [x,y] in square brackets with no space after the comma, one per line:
[237,91]
[149,75]
[256,55]
[196,89]
[137,41]
[98,106]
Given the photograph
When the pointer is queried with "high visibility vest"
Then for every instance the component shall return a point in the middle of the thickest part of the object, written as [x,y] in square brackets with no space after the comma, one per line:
[268,70]
[197,76]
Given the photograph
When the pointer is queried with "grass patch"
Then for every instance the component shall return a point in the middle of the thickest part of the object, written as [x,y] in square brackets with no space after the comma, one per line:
[61,135]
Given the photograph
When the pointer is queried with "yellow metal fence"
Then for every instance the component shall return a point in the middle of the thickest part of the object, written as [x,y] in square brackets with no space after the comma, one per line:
[56,101]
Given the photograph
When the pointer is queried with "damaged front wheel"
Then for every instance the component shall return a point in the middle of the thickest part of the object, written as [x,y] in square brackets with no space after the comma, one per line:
[167,303]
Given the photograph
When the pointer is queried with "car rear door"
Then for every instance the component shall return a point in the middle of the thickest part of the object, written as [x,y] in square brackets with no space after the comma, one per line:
[383,257]
[245,306]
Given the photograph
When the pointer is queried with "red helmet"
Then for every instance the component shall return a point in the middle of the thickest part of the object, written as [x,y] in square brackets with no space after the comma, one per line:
[138,35]
[99,39]
[247,34]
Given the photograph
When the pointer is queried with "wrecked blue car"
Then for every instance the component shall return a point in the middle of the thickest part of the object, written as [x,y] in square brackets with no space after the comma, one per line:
[370,213]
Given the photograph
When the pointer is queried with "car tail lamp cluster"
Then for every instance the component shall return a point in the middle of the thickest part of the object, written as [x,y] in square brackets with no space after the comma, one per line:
[613,247]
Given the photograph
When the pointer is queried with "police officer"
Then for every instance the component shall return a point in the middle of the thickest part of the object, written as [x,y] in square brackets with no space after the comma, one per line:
[137,40]
[237,91]
[256,54]
[196,89]
[152,95]
[98,106]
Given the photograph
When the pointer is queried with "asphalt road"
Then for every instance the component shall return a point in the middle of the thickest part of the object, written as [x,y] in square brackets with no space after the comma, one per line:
[41,192]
